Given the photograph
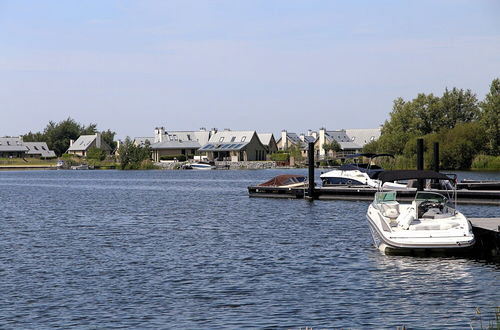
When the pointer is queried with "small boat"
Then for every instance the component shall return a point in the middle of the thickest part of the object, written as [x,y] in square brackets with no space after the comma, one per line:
[358,174]
[80,167]
[203,166]
[430,222]
[286,181]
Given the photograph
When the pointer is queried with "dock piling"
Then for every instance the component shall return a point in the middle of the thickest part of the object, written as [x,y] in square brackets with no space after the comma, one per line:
[310,156]
[420,162]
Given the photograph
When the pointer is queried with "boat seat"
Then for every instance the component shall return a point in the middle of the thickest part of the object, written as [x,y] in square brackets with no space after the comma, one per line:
[390,209]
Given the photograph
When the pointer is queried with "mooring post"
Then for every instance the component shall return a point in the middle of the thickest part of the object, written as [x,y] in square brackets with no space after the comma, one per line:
[420,162]
[310,156]
[436,156]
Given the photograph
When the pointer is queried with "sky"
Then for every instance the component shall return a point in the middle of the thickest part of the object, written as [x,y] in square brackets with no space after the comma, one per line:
[263,65]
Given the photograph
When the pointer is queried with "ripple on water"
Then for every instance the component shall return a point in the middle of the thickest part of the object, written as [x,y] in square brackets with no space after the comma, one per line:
[184,248]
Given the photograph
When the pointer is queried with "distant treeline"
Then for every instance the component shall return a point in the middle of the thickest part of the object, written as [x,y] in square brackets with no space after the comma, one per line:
[468,130]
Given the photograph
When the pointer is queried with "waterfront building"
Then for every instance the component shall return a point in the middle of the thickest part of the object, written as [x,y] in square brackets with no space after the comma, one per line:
[81,146]
[234,146]
[351,141]
[39,150]
[15,147]
[175,143]
[288,140]
[267,139]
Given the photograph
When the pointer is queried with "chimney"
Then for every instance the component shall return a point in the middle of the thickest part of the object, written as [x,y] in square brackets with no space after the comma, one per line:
[71,142]
[227,129]
[322,140]
[159,134]
[314,134]
[203,129]
[213,131]
[302,137]
[98,140]
[309,132]
[284,141]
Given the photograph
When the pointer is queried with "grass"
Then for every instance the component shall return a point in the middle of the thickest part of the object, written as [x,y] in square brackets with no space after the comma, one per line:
[26,161]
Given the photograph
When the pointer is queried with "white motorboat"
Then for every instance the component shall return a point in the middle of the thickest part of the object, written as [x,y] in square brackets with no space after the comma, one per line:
[202,166]
[358,174]
[429,223]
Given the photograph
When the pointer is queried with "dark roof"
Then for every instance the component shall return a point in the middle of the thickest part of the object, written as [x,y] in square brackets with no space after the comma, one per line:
[223,146]
[390,176]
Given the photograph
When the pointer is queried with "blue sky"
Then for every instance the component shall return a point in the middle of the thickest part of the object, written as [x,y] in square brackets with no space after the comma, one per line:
[263,65]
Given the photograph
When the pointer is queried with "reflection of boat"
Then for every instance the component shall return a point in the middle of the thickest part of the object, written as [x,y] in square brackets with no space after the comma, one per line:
[203,166]
[80,167]
[358,174]
[286,181]
[479,185]
[429,222]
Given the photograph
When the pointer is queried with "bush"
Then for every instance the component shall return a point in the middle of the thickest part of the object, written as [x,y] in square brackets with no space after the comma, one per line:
[485,162]
[96,154]
[181,158]
[280,157]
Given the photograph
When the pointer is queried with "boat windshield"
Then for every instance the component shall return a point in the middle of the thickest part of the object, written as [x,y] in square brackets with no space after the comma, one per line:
[385,196]
[430,196]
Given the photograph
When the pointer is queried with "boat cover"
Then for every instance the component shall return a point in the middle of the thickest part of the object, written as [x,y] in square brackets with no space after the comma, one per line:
[391,176]
[283,180]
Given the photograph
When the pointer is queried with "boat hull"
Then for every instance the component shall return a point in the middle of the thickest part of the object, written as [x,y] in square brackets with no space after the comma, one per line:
[451,246]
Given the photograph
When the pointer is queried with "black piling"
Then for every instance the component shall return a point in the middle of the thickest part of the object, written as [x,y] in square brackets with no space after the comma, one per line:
[436,156]
[420,161]
[310,156]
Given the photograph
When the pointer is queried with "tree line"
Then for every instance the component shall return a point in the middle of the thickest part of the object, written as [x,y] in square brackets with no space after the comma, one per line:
[466,128]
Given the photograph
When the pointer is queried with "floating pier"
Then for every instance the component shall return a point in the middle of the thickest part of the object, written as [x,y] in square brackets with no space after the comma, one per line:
[487,235]
[359,193]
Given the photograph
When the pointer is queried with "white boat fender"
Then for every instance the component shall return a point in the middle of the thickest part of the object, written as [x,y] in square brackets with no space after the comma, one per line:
[405,219]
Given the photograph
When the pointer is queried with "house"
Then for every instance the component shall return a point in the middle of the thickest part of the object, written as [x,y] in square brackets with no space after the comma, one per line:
[351,141]
[15,147]
[81,146]
[174,143]
[39,150]
[267,139]
[288,140]
[12,147]
[234,146]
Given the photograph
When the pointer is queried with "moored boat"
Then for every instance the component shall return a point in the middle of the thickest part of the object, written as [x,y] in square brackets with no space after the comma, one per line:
[203,166]
[286,181]
[429,223]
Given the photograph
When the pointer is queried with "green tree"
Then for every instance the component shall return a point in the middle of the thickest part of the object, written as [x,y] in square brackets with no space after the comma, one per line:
[133,157]
[109,137]
[333,146]
[458,106]
[96,154]
[490,117]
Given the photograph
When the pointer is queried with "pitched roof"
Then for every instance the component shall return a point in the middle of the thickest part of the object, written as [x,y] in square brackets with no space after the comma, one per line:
[176,145]
[141,141]
[232,137]
[39,148]
[201,137]
[84,141]
[12,144]
[363,136]
[223,146]
[265,138]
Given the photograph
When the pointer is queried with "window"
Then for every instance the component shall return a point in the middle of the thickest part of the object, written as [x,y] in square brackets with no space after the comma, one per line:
[35,147]
[189,137]
[243,138]
[221,139]
[233,139]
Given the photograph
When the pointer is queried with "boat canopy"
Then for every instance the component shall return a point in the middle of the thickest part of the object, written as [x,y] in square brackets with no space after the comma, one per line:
[391,176]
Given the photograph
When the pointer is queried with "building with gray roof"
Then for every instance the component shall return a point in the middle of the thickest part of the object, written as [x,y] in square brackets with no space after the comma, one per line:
[234,146]
[12,147]
[267,139]
[81,146]
[351,140]
[39,150]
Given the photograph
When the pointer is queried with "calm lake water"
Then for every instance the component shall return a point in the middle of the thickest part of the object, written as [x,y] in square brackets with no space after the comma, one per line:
[190,249]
